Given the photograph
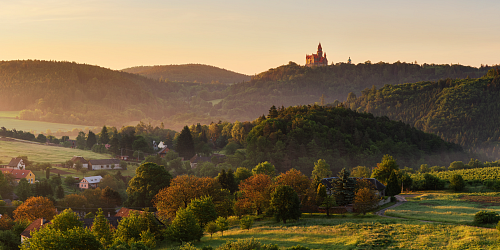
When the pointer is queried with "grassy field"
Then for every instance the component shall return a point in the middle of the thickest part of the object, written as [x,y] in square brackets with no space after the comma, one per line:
[358,232]
[216,101]
[9,121]
[42,153]
[457,208]
[72,172]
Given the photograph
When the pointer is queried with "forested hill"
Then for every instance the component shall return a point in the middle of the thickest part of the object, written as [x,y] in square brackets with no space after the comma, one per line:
[83,94]
[189,73]
[463,111]
[295,137]
[293,84]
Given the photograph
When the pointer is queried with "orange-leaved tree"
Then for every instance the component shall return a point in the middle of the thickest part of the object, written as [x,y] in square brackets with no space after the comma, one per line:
[34,208]
[182,190]
[255,193]
[295,179]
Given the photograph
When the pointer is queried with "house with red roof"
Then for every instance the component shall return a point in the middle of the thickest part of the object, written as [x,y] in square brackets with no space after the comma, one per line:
[20,174]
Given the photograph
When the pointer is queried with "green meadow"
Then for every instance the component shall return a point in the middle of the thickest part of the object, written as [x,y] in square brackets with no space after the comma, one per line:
[356,232]
[9,121]
[41,153]
[458,208]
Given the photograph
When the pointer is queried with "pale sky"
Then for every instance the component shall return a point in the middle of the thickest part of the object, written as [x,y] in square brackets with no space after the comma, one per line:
[249,36]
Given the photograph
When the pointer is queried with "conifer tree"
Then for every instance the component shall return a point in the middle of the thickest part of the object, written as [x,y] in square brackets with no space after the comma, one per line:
[185,144]
[344,188]
[104,136]
[59,192]
[91,139]
[273,112]
[393,187]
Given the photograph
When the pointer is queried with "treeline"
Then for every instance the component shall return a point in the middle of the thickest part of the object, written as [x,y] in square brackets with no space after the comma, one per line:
[189,73]
[462,111]
[73,93]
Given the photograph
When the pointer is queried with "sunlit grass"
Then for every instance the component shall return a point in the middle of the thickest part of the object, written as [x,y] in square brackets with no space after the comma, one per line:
[42,153]
[442,208]
[358,232]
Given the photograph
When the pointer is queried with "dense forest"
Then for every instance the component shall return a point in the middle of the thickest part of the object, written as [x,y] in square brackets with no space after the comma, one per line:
[74,93]
[462,111]
[189,73]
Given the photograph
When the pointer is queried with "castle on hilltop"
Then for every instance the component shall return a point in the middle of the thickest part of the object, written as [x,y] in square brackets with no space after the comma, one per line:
[317,59]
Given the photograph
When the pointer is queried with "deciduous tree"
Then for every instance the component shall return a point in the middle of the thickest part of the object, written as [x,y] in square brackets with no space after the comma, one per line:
[384,169]
[102,230]
[365,200]
[182,190]
[184,227]
[255,193]
[34,208]
[23,190]
[285,203]
[149,179]
[66,220]
[203,210]
[264,168]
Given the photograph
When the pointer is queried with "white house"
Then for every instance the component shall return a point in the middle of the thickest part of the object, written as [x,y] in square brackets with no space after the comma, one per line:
[104,164]
[90,182]
[16,163]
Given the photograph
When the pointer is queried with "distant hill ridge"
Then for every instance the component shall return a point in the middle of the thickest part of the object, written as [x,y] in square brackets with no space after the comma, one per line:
[189,73]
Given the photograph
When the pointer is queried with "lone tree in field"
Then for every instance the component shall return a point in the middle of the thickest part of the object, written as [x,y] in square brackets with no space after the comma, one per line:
[285,203]
[344,188]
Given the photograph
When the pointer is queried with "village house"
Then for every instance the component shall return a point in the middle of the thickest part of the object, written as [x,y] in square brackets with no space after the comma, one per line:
[35,225]
[20,174]
[163,152]
[16,163]
[90,182]
[85,163]
[104,164]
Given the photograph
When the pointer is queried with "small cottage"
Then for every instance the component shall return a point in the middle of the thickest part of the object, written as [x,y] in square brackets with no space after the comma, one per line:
[90,182]
[85,163]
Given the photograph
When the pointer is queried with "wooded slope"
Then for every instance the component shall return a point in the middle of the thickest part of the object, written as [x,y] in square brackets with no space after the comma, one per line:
[189,73]
[463,111]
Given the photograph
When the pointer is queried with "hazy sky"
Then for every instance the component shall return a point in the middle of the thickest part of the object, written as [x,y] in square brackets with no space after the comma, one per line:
[249,36]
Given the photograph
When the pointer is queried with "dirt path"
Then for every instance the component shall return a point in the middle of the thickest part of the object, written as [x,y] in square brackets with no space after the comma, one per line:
[401,200]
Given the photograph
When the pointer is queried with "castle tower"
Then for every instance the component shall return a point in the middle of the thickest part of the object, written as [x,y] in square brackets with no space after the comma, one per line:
[317,59]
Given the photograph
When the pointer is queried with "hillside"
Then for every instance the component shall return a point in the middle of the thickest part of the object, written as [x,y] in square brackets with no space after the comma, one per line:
[72,93]
[463,111]
[295,137]
[293,84]
[65,92]
[189,73]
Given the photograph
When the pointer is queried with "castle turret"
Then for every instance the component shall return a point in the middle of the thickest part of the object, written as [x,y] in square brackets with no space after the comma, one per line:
[320,50]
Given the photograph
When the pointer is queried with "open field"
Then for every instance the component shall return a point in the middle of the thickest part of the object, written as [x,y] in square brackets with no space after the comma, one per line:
[9,121]
[457,208]
[216,101]
[358,232]
[41,153]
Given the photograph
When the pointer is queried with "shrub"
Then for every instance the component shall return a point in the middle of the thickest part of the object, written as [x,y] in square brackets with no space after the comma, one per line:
[298,247]
[250,244]
[484,217]
[457,183]
[246,222]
